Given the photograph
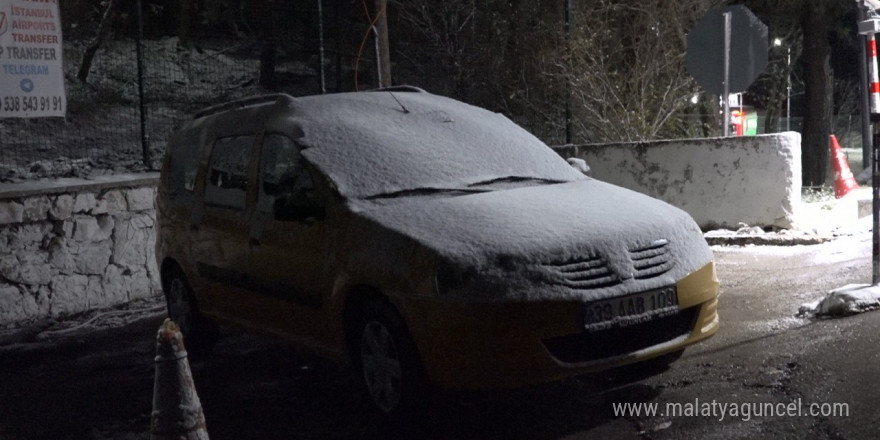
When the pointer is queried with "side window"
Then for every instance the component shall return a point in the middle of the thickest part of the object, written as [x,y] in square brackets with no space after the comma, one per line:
[286,187]
[183,164]
[227,177]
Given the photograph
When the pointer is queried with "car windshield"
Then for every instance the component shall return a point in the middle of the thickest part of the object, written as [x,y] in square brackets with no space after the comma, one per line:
[373,146]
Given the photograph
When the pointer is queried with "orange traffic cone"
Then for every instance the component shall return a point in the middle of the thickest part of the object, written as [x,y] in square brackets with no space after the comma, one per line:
[177,411]
[844,182]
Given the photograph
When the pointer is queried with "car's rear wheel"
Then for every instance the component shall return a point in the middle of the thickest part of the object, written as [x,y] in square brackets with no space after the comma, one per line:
[389,363]
[199,332]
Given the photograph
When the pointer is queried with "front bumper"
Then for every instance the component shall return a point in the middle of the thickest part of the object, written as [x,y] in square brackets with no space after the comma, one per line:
[504,345]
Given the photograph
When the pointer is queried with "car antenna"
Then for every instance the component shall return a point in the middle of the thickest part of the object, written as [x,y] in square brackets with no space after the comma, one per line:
[398,102]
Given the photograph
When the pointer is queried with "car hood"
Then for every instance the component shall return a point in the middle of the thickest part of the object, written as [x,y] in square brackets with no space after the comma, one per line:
[580,240]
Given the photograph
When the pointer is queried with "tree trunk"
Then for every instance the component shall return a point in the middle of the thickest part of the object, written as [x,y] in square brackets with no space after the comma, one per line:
[818,92]
[184,21]
[383,53]
[100,36]
[268,59]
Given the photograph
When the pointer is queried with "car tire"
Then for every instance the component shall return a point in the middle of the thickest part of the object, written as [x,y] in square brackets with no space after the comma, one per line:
[388,362]
[199,332]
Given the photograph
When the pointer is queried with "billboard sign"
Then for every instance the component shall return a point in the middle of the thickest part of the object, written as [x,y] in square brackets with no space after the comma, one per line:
[31,73]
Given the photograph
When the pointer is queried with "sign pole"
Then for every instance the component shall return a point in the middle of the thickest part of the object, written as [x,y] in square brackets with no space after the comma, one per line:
[864,97]
[874,98]
[725,82]
[711,51]
[875,171]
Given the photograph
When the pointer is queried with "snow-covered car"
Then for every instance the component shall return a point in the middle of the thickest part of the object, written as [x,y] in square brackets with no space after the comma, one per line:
[430,242]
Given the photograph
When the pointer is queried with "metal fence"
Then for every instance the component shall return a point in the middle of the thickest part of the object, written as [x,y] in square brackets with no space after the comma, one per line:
[146,77]
[150,72]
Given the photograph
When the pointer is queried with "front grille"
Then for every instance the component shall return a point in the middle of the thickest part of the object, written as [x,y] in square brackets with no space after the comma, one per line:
[591,346]
[651,261]
[589,273]
[593,272]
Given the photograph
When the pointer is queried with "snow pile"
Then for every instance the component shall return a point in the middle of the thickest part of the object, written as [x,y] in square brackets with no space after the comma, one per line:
[847,300]
[49,329]
[754,235]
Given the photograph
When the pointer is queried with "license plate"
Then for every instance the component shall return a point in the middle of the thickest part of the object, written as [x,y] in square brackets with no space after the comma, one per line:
[631,309]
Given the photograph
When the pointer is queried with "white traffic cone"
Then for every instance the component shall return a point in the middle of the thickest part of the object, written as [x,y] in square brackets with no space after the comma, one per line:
[177,411]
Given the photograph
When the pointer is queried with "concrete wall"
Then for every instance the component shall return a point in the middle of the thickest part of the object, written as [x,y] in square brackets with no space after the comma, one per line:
[70,245]
[719,181]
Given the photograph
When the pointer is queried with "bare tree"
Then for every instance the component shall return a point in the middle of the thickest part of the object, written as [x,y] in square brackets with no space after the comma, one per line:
[818,80]
[446,35]
[101,34]
[623,65]
[626,69]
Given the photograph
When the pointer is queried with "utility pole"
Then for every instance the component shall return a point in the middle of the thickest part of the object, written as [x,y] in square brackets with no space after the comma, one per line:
[321,48]
[568,122]
[725,72]
[383,52]
[869,28]
[864,96]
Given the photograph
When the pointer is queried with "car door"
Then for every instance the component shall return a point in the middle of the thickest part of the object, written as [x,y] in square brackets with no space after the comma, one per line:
[287,245]
[220,227]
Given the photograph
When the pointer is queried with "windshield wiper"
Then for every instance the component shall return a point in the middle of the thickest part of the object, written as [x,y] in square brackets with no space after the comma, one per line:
[422,192]
[507,179]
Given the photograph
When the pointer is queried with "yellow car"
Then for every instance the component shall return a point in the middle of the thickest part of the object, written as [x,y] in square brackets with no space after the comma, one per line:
[430,242]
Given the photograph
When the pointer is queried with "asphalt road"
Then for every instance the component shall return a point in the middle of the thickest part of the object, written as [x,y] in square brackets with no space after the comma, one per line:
[98,384]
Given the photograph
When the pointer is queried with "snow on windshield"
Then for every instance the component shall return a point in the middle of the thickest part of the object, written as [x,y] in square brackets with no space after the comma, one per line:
[369,144]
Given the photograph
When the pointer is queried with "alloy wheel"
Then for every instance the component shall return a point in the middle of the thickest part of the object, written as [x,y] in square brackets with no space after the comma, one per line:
[381,366]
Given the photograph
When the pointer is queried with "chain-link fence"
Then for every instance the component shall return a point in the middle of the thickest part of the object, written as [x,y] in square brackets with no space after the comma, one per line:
[136,68]
[192,54]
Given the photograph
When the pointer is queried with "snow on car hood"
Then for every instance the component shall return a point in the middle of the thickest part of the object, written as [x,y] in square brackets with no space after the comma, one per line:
[581,240]
[371,143]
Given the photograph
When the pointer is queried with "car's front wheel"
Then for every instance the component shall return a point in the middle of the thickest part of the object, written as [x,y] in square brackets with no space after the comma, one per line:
[389,363]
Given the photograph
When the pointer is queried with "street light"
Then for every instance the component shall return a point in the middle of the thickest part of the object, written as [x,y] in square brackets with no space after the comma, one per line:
[778,42]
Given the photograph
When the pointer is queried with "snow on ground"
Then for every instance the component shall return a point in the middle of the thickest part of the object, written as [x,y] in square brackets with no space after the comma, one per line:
[848,238]
[847,300]
[48,329]
[819,219]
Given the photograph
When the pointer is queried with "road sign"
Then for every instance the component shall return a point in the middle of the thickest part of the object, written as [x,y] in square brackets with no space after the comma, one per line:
[748,49]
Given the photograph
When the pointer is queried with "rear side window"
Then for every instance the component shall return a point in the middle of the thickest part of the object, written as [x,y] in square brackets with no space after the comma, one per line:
[227,176]
[183,164]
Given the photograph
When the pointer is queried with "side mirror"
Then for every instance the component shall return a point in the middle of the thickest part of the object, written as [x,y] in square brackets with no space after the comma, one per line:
[580,165]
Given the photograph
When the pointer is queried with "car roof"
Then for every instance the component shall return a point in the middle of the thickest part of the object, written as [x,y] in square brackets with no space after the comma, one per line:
[394,139]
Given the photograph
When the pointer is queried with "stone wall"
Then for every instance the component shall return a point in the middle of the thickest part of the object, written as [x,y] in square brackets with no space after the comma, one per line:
[71,245]
[720,182]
